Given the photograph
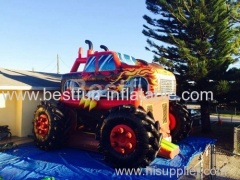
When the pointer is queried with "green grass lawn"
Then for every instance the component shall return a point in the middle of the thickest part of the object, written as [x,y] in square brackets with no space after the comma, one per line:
[226,115]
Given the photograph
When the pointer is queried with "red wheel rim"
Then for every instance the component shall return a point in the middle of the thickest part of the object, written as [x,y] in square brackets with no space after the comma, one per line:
[42,125]
[123,139]
[172,120]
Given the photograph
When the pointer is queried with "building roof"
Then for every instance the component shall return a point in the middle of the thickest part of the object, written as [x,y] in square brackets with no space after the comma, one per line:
[28,80]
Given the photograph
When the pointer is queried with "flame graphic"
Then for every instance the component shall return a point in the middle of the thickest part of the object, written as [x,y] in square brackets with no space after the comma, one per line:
[88,103]
[147,72]
[150,73]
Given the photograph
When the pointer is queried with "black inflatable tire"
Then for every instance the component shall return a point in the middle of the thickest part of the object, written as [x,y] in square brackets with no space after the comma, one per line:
[147,137]
[183,121]
[55,136]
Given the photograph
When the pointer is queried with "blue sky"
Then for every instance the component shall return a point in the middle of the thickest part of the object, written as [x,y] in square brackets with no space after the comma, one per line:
[32,33]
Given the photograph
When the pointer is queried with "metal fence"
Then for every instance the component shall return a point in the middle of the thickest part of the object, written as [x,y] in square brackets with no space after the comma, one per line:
[231,110]
[214,163]
[236,140]
[203,166]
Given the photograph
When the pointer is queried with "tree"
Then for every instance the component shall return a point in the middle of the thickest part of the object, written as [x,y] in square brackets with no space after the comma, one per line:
[232,76]
[199,40]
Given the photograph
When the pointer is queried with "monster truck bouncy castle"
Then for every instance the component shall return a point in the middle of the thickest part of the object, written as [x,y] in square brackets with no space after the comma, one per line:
[128,105]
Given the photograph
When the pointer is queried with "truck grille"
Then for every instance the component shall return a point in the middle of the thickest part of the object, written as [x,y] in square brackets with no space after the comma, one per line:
[167,86]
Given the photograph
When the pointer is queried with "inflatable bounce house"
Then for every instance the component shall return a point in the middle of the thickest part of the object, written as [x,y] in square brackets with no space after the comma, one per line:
[126,108]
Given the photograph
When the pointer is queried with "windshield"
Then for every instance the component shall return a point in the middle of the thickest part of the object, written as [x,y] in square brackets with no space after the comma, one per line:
[106,63]
[90,66]
[124,58]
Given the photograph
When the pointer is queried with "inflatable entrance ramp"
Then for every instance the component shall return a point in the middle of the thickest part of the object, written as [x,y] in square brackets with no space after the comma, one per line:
[168,149]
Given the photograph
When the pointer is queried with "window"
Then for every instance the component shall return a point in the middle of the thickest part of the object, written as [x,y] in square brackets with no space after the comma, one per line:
[124,58]
[71,85]
[106,63]
[90,66]
[81,67]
